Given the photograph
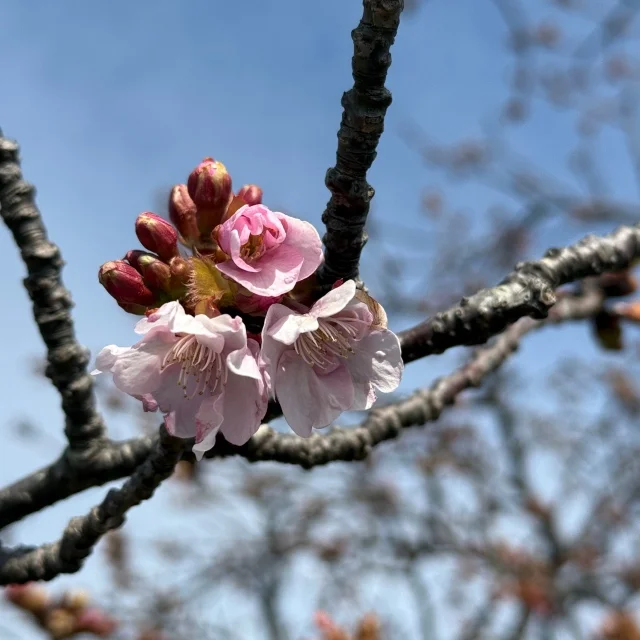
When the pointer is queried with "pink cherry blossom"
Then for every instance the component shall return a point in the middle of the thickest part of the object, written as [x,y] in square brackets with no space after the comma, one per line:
[328,359]
[269,251]
[202,373]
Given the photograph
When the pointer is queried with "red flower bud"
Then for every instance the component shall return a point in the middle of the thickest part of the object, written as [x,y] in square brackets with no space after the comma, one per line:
[155,273]
[135,309]
[251,194]
[124,283]
[133,258]
[157,235]
[209,186]
[182,211]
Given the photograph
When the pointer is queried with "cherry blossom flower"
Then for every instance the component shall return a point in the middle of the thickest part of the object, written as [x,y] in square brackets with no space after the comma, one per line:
[330,358]
[268,251]
[202,373]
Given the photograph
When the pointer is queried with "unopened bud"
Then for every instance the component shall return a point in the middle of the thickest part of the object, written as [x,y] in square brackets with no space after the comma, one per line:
[608,331]
[60,623]
[124,283]
[628,310]
[135,309]
[30,597]
[209,186]
[236,203]
[182,211]
[157,235]
[75,599]
[133,258]
[251,194]
[617,285]
[95,622]
[155,273]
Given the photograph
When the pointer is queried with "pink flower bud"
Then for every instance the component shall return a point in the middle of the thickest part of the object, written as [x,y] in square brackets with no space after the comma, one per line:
[124,283]
[251,194]
[155,273]
[209,186]
[182,211]
[157,235]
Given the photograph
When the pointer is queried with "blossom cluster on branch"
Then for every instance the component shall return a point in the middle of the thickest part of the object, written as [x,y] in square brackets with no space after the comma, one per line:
[238,318]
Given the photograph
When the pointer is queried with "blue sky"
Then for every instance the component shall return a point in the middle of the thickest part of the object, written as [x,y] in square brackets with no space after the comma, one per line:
[113,101]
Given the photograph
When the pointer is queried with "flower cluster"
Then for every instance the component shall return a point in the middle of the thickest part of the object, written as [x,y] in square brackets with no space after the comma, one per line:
[235,319]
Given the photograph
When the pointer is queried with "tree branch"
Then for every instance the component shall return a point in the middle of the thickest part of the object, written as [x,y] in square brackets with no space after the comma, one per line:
[61,480]
[365,106]
[82,533]
[66,359]
[527,291]
[115,460]
[70,475]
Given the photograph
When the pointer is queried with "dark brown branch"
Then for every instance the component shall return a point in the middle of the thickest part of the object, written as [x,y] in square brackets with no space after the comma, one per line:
[365,106]
[82,533]
[66,359]
[528,291]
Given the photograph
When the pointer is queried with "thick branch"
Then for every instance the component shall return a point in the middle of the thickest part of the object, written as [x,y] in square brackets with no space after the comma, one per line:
[66,359]
[527,291]
[70,475]
[365,106]
[82,533]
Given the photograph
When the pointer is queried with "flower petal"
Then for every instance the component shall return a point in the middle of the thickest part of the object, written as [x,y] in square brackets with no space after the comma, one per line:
[245,405]
[149,403]
[235,245]
[304,237]
[335,301]
[207,424]
[272,349]
[232,330]
[107,358]
[278,271]
[242,362]
[364,396]
[308,400]
[163,316]
[137,371]
[289,327]
[378,360]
